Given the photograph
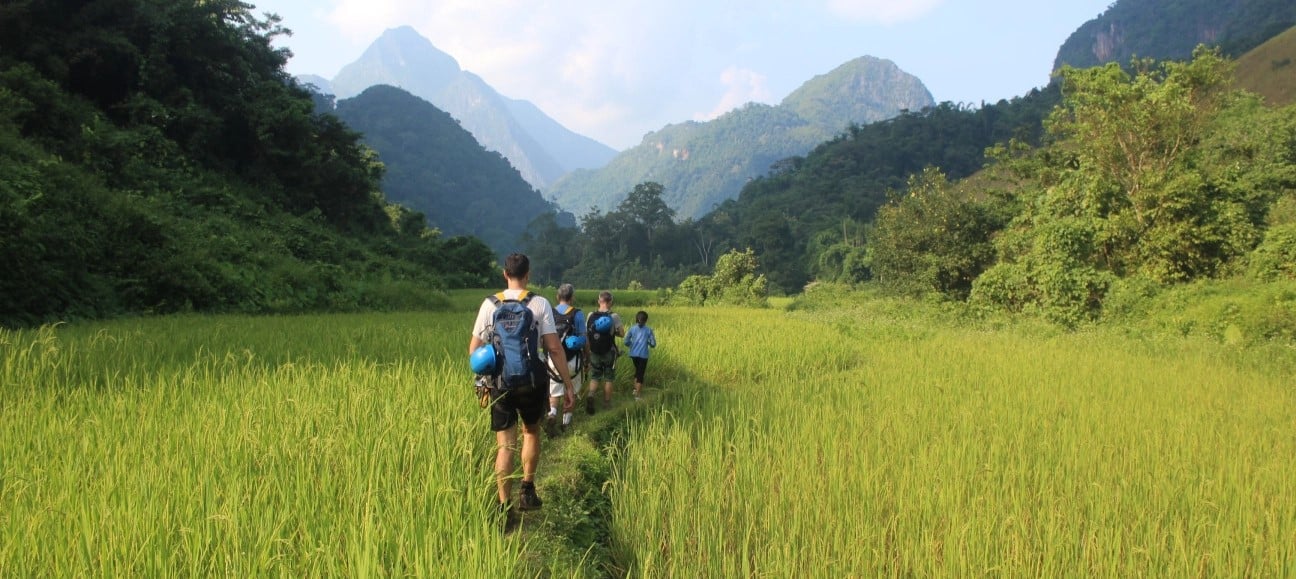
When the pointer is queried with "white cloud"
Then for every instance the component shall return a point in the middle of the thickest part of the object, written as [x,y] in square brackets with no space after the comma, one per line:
[742,86]
[884,12]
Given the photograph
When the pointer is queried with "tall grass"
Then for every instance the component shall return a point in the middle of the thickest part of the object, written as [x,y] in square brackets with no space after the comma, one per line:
[293,446]
[854,442]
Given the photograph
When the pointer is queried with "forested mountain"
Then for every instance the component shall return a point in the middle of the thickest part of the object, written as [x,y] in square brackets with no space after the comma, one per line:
[155,157]
[1170,29]
[791,215]
[701,164]
[540,148]
[1138,181]
[434,166]
[804,218]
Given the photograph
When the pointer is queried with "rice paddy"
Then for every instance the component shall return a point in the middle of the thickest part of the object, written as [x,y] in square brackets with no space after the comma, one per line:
[821,443]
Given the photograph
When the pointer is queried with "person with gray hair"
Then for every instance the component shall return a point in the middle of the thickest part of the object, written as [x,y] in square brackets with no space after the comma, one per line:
[570,324]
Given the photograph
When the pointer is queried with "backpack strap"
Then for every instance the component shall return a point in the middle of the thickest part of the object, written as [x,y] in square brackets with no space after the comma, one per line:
[498,297]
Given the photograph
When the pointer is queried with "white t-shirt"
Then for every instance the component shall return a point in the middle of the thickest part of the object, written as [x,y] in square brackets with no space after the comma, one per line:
[538,305]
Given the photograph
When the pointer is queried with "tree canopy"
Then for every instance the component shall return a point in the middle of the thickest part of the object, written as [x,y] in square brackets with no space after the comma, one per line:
[158,158]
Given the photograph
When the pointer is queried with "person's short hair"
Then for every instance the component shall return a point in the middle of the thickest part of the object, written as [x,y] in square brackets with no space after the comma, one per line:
[566,292]
[641,318]
[517,265]
[605,297]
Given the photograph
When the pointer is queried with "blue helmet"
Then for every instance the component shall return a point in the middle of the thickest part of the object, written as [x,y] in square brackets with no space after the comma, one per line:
[574,342]
[485,360]
[603,324]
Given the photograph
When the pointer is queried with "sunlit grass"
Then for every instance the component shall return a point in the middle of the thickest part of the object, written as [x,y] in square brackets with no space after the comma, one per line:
[858,440]
[845,444]
[296,446]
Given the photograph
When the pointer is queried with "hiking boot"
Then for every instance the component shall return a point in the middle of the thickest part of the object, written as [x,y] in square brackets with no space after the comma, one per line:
[589,405]
[529,500]
[508,518]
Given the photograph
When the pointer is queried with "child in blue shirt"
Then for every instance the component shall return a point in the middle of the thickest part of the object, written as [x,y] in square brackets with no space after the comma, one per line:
[638,340]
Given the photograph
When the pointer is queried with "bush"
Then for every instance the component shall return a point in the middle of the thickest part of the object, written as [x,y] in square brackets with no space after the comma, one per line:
[1275,258]
[735,282]
[1235,312]
[693,291]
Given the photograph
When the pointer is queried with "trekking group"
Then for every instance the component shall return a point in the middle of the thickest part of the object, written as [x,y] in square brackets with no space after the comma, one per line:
[531,359]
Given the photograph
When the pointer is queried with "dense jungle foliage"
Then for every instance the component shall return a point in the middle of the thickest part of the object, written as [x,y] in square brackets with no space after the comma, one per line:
[155,157]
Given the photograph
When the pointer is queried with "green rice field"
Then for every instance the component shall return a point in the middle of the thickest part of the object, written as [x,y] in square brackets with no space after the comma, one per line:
[849,441]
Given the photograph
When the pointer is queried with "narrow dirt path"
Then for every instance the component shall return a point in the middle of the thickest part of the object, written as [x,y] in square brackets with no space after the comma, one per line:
[572,535]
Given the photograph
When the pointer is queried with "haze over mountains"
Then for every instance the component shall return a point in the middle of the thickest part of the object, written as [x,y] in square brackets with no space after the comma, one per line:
[539,147]
[701,164]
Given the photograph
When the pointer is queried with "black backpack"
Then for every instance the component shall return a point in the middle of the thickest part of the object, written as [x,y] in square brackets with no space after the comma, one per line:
[565,325]
[600,342]
[516,338]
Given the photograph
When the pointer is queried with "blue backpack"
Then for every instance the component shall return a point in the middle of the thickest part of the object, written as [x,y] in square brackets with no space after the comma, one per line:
[516,339]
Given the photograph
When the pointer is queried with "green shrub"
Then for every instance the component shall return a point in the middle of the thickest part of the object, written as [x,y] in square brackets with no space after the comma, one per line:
[1275,258]
[735,282]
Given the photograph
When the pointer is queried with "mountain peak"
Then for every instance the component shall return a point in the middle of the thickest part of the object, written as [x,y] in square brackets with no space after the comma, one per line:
[400,57]
[702,164]
[416,51]
[539,147]
[867,89]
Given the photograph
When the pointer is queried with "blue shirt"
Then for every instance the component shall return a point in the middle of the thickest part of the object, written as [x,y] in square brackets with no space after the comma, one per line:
[639,339]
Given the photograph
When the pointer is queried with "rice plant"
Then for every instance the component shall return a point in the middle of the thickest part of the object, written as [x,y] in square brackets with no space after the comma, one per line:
[835,444]
[292,446]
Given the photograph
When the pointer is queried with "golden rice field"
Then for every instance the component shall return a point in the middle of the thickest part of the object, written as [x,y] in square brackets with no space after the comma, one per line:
[810,443]
[838,444]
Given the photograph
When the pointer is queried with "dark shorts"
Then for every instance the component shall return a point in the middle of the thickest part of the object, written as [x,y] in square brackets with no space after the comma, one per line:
[603,366]
[641,364]
[507,406]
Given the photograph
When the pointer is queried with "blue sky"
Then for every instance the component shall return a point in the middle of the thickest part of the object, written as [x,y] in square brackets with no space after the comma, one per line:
[616,70]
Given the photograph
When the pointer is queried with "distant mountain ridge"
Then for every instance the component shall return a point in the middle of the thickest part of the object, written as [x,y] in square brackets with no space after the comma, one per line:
[539,147]
[702,164]
[1170,29]
[437,168]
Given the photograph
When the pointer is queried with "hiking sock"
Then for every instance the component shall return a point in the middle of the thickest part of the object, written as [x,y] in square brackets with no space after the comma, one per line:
[567,416]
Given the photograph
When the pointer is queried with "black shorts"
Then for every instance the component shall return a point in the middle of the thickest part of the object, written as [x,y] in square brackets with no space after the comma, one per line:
[641,364]
[507,406]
